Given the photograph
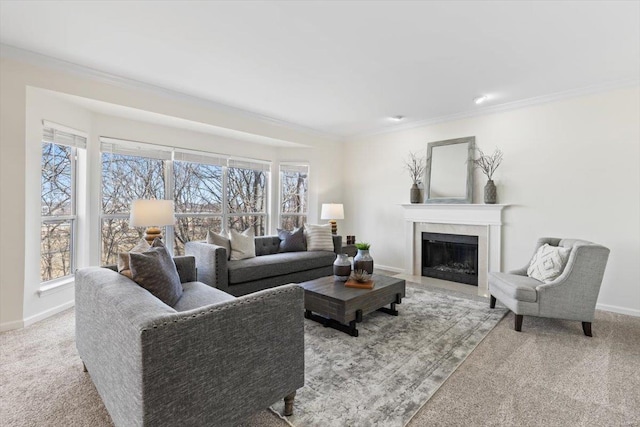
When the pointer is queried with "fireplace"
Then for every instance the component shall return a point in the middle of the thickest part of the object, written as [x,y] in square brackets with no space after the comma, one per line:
[450,257]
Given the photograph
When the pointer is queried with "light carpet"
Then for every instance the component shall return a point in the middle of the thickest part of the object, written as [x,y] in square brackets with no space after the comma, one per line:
[384,376]
[401,361]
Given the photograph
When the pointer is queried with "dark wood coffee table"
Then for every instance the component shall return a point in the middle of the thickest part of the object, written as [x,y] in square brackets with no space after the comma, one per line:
[334,305]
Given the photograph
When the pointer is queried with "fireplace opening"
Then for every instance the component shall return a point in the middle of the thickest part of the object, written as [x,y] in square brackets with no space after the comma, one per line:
[450,257]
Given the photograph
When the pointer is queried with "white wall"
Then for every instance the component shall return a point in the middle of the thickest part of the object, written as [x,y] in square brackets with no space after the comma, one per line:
[23,104]
[571,169]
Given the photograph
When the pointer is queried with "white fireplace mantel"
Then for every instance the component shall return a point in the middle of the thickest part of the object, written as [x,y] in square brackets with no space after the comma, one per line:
[484,221]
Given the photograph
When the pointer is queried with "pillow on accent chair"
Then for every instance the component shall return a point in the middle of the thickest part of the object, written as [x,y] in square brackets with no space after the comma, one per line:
[548,263]
[219,240]
[242,244]
[155,271]
[291,241]
[318,237]
[123,257]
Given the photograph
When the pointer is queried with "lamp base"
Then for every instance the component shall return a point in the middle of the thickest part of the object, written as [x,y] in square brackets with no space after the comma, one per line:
[151,233]
[334,226]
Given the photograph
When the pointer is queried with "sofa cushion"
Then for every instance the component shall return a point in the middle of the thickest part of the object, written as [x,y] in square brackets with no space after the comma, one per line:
[318,237]
[155,271]
[197,294]
[292,241]
[123,257]
[276,265]
[219,240]
[548,262]
[521,288]
[242,244]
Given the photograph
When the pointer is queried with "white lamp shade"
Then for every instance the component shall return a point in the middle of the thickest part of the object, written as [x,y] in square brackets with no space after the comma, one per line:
[146,213]
[332,211]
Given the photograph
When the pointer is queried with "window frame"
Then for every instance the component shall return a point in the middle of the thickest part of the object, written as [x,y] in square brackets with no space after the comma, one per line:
[128,147]
[282,214]
[71,218]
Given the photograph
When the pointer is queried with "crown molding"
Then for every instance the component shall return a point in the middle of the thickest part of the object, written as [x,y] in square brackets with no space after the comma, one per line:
[39,59]
[515,105]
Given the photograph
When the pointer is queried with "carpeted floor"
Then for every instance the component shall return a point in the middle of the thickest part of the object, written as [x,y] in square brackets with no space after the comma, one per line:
[548,375]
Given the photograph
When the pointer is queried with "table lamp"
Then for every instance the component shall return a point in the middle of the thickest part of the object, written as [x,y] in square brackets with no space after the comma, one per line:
[332,211]
[151,214]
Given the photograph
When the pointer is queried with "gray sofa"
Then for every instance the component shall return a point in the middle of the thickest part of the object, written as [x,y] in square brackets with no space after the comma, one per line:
[268,269]
[213,359]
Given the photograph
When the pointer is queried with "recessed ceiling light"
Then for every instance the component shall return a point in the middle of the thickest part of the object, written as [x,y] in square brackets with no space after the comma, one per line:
[479,100]
[397,118]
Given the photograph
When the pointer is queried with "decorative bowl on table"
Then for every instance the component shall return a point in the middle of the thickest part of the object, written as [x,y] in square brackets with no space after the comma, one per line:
[361,276]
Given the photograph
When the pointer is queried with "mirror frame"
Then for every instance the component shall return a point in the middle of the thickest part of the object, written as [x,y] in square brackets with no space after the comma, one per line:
[471,141]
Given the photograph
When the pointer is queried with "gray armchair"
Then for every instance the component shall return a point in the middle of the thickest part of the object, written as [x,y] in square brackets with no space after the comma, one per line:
[571,296]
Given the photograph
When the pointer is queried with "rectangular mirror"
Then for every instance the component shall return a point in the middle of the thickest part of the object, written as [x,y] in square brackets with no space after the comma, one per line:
[449,174]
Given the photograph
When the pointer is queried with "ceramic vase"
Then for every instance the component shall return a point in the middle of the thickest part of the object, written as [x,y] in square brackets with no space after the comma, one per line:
[490,193]
[341,268]
[363,261]
[416,193]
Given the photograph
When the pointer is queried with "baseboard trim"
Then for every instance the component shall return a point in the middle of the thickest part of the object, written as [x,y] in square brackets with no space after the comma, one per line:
[9,326]
[618,309]
[47,313]
[386,267]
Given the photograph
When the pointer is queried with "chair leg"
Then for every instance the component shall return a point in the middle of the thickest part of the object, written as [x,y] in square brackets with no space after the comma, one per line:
[288,403]
[84,367]
[492,303]
[586,328]
[518,322]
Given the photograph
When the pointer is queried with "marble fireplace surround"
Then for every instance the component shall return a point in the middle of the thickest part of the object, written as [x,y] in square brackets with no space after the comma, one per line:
[484,221]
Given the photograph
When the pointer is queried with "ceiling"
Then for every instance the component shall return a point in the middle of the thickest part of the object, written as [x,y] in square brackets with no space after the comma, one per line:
[341,68]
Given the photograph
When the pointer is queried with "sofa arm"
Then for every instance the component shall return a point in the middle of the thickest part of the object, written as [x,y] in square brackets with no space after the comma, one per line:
[231,358]
[211,262]
[337,244]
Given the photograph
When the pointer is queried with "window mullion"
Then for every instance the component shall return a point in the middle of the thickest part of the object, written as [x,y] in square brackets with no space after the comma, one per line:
[225,204]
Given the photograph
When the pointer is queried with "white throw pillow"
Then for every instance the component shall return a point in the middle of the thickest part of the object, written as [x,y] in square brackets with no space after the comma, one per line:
[219,240]
[242,244]
[318,237]
[548,263]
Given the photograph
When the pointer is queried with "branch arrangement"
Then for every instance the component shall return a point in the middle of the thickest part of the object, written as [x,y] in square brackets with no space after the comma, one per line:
[416,166]
[488,164]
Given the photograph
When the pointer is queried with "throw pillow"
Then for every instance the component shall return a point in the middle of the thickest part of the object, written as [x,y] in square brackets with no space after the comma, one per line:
[242,244]
[123,257]
[155,271]
[319,237]
[291,241]
[548,262]
[219,240]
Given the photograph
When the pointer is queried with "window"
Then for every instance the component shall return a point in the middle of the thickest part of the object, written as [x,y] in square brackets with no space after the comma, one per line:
[198,194]
[58,201]
[294,195]
[128,173]
[247,196]
[210,192]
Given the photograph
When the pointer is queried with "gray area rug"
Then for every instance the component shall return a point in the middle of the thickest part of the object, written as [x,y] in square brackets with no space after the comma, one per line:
[384,376]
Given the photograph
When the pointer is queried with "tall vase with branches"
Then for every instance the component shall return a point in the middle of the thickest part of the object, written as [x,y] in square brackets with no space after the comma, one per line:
[488,165]
[415,165]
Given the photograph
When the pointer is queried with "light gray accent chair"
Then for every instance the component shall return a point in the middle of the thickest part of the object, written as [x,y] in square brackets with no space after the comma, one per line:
[212,359]
[571,296]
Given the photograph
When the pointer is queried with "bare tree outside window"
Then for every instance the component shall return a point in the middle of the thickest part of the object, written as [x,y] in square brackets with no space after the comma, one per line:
[246,199]
[57,211]
[198,202]
[200,184]
[126,178]
[294,194]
